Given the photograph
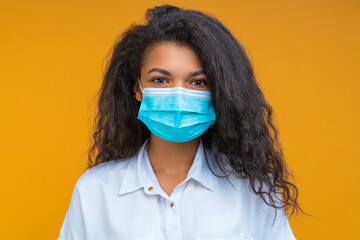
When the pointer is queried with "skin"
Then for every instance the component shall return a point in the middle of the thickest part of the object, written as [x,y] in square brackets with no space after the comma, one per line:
[171,161]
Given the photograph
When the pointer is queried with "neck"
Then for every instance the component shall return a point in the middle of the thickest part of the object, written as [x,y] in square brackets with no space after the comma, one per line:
[171,158]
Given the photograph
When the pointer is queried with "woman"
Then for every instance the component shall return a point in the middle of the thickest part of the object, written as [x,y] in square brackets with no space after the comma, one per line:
[186,147]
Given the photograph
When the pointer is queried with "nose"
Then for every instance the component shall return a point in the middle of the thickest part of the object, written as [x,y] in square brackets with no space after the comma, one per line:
[179,84]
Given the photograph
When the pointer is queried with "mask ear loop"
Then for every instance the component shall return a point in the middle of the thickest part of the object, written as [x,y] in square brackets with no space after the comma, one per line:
[140,86]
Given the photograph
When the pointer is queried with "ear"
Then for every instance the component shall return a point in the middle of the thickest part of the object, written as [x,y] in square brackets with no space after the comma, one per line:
[137,92]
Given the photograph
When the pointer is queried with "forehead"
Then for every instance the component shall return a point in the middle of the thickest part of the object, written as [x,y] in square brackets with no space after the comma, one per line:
[172,56]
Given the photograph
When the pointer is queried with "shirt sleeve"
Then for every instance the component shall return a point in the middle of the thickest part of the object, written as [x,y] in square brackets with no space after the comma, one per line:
[73,227]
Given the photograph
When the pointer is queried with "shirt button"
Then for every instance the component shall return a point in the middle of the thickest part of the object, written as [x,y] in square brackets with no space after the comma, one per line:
[150,189]
[171,204]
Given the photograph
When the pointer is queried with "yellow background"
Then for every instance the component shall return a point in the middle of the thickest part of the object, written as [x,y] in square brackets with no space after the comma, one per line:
[306,59]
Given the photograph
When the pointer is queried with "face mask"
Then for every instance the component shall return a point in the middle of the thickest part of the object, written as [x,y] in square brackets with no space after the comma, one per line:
[176,114]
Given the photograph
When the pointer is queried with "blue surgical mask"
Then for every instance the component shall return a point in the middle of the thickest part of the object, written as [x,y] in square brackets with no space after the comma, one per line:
[176,114]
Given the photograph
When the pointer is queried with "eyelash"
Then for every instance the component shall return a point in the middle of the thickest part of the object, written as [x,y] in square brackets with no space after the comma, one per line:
[204,81]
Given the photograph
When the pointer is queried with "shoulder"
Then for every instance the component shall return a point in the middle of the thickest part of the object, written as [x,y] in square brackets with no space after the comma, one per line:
[106,174]
[261,219]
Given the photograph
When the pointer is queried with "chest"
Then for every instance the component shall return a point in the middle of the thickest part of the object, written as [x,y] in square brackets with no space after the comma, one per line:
[192,212]
[196,214]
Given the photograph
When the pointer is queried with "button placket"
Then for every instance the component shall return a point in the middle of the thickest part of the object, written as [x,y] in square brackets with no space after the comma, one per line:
[173,226]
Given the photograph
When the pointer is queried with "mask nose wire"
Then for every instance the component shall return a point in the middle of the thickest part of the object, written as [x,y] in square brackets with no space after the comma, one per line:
[140,86]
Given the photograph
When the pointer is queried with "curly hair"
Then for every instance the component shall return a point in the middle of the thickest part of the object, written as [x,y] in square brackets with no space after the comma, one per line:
[243,135]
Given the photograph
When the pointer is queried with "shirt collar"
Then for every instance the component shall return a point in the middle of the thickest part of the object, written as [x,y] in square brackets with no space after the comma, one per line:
[139,172]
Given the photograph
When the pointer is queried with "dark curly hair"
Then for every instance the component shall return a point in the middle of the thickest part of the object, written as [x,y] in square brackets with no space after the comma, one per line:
[243,136]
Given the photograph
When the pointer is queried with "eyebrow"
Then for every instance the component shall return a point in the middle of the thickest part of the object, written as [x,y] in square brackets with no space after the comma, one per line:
[166,72]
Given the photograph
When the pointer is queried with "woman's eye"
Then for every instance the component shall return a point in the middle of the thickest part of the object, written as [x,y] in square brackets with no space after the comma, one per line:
[161,80]
[198,82]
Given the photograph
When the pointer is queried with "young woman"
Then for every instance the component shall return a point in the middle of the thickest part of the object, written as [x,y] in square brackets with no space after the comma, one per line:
[185,144]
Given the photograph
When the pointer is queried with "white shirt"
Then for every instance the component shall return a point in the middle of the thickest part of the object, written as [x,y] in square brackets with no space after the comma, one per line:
[123,200]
